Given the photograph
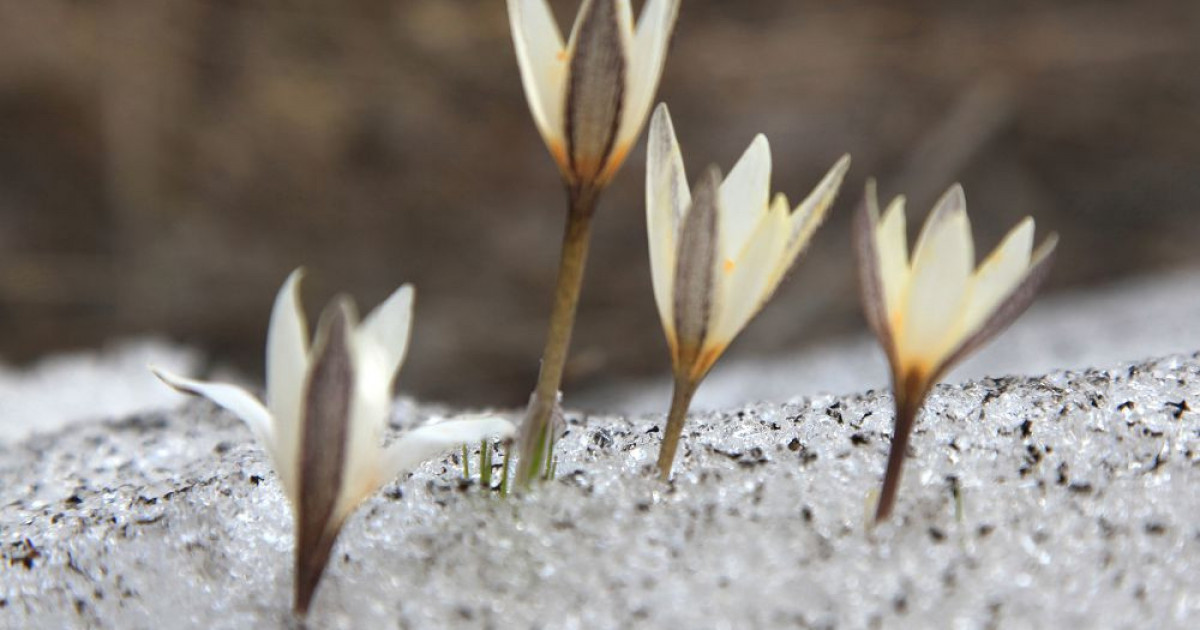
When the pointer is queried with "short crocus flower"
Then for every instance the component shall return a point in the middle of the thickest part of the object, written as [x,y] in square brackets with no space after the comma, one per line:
[327,407]
[591,95]
[717,256]
[931,311]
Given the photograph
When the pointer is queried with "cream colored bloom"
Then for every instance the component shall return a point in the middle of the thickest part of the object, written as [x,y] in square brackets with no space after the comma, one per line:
[327,408]
[717,257]
[932,309]
[590,96]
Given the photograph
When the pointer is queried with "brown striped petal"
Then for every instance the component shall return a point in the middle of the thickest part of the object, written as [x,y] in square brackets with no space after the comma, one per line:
[695,274]
[595,90]
[323,446]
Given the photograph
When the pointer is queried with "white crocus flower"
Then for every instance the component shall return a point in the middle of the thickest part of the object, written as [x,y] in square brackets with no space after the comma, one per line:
[590,96]
[327,409]
[933,309]
[718,256]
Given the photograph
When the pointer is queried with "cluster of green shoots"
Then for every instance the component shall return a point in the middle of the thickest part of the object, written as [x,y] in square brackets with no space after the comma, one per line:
[719,248]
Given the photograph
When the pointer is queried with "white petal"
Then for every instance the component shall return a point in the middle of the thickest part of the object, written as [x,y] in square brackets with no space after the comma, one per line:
[232,398]
[744,196]
[423,443]
[667,200]
[378,352]
[646,63]
[387,329]
[941,268]
[892,244]
[543,62]
[753,276]
[809,215]
[365,457]
[950,204]
[287,365]
[999,275]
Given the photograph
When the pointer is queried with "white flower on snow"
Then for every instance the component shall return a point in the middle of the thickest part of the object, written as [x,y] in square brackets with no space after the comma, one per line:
[590,96]
[327,408]
[718,256]
[935,308]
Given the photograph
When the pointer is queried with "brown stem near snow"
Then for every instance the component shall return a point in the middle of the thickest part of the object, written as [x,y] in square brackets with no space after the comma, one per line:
[681,399]
[535,432]
[909,392]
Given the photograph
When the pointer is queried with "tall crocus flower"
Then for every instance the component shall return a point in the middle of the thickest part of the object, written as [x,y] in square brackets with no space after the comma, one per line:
[589,99]
[935,308]
[717,256]
[327,407]
[590,96]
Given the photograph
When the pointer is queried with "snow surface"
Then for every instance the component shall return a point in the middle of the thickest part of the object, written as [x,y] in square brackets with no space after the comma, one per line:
[88,385]
[1060,501]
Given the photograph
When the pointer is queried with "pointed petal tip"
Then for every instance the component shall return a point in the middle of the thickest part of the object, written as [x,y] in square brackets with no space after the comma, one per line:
[182,384]
[341,310]
[760,142]
[872,199]
[291,288]
[832,182]
[406,291]
[661,124]
[170,380]
[956,198]
[712,176]
[1047,247]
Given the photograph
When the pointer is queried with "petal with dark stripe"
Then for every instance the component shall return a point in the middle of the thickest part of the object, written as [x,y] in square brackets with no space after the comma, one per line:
[695,270]
[1017,301]
[325,422]
[870,282]
[595,89]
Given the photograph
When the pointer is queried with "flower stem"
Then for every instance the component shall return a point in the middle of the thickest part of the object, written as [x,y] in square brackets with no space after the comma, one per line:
[681,399]
[551,459]
[535,433]
[485,464]
[508,449]
[909,394]
[466,463]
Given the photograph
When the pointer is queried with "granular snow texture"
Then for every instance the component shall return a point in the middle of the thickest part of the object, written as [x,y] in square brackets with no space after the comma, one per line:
[1063,501]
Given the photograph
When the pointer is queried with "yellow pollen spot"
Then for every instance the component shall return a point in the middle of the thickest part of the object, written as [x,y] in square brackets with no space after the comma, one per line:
[729,265]
[562,55]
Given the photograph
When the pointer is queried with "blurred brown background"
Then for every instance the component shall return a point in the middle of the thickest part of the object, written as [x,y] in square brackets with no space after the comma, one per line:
[165,163]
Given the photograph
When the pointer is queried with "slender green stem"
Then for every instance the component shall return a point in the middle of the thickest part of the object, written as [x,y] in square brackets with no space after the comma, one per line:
[551,459]
[485,463]
[681,399]
[535,433]
[909,393]
[466,463]
[508,449]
